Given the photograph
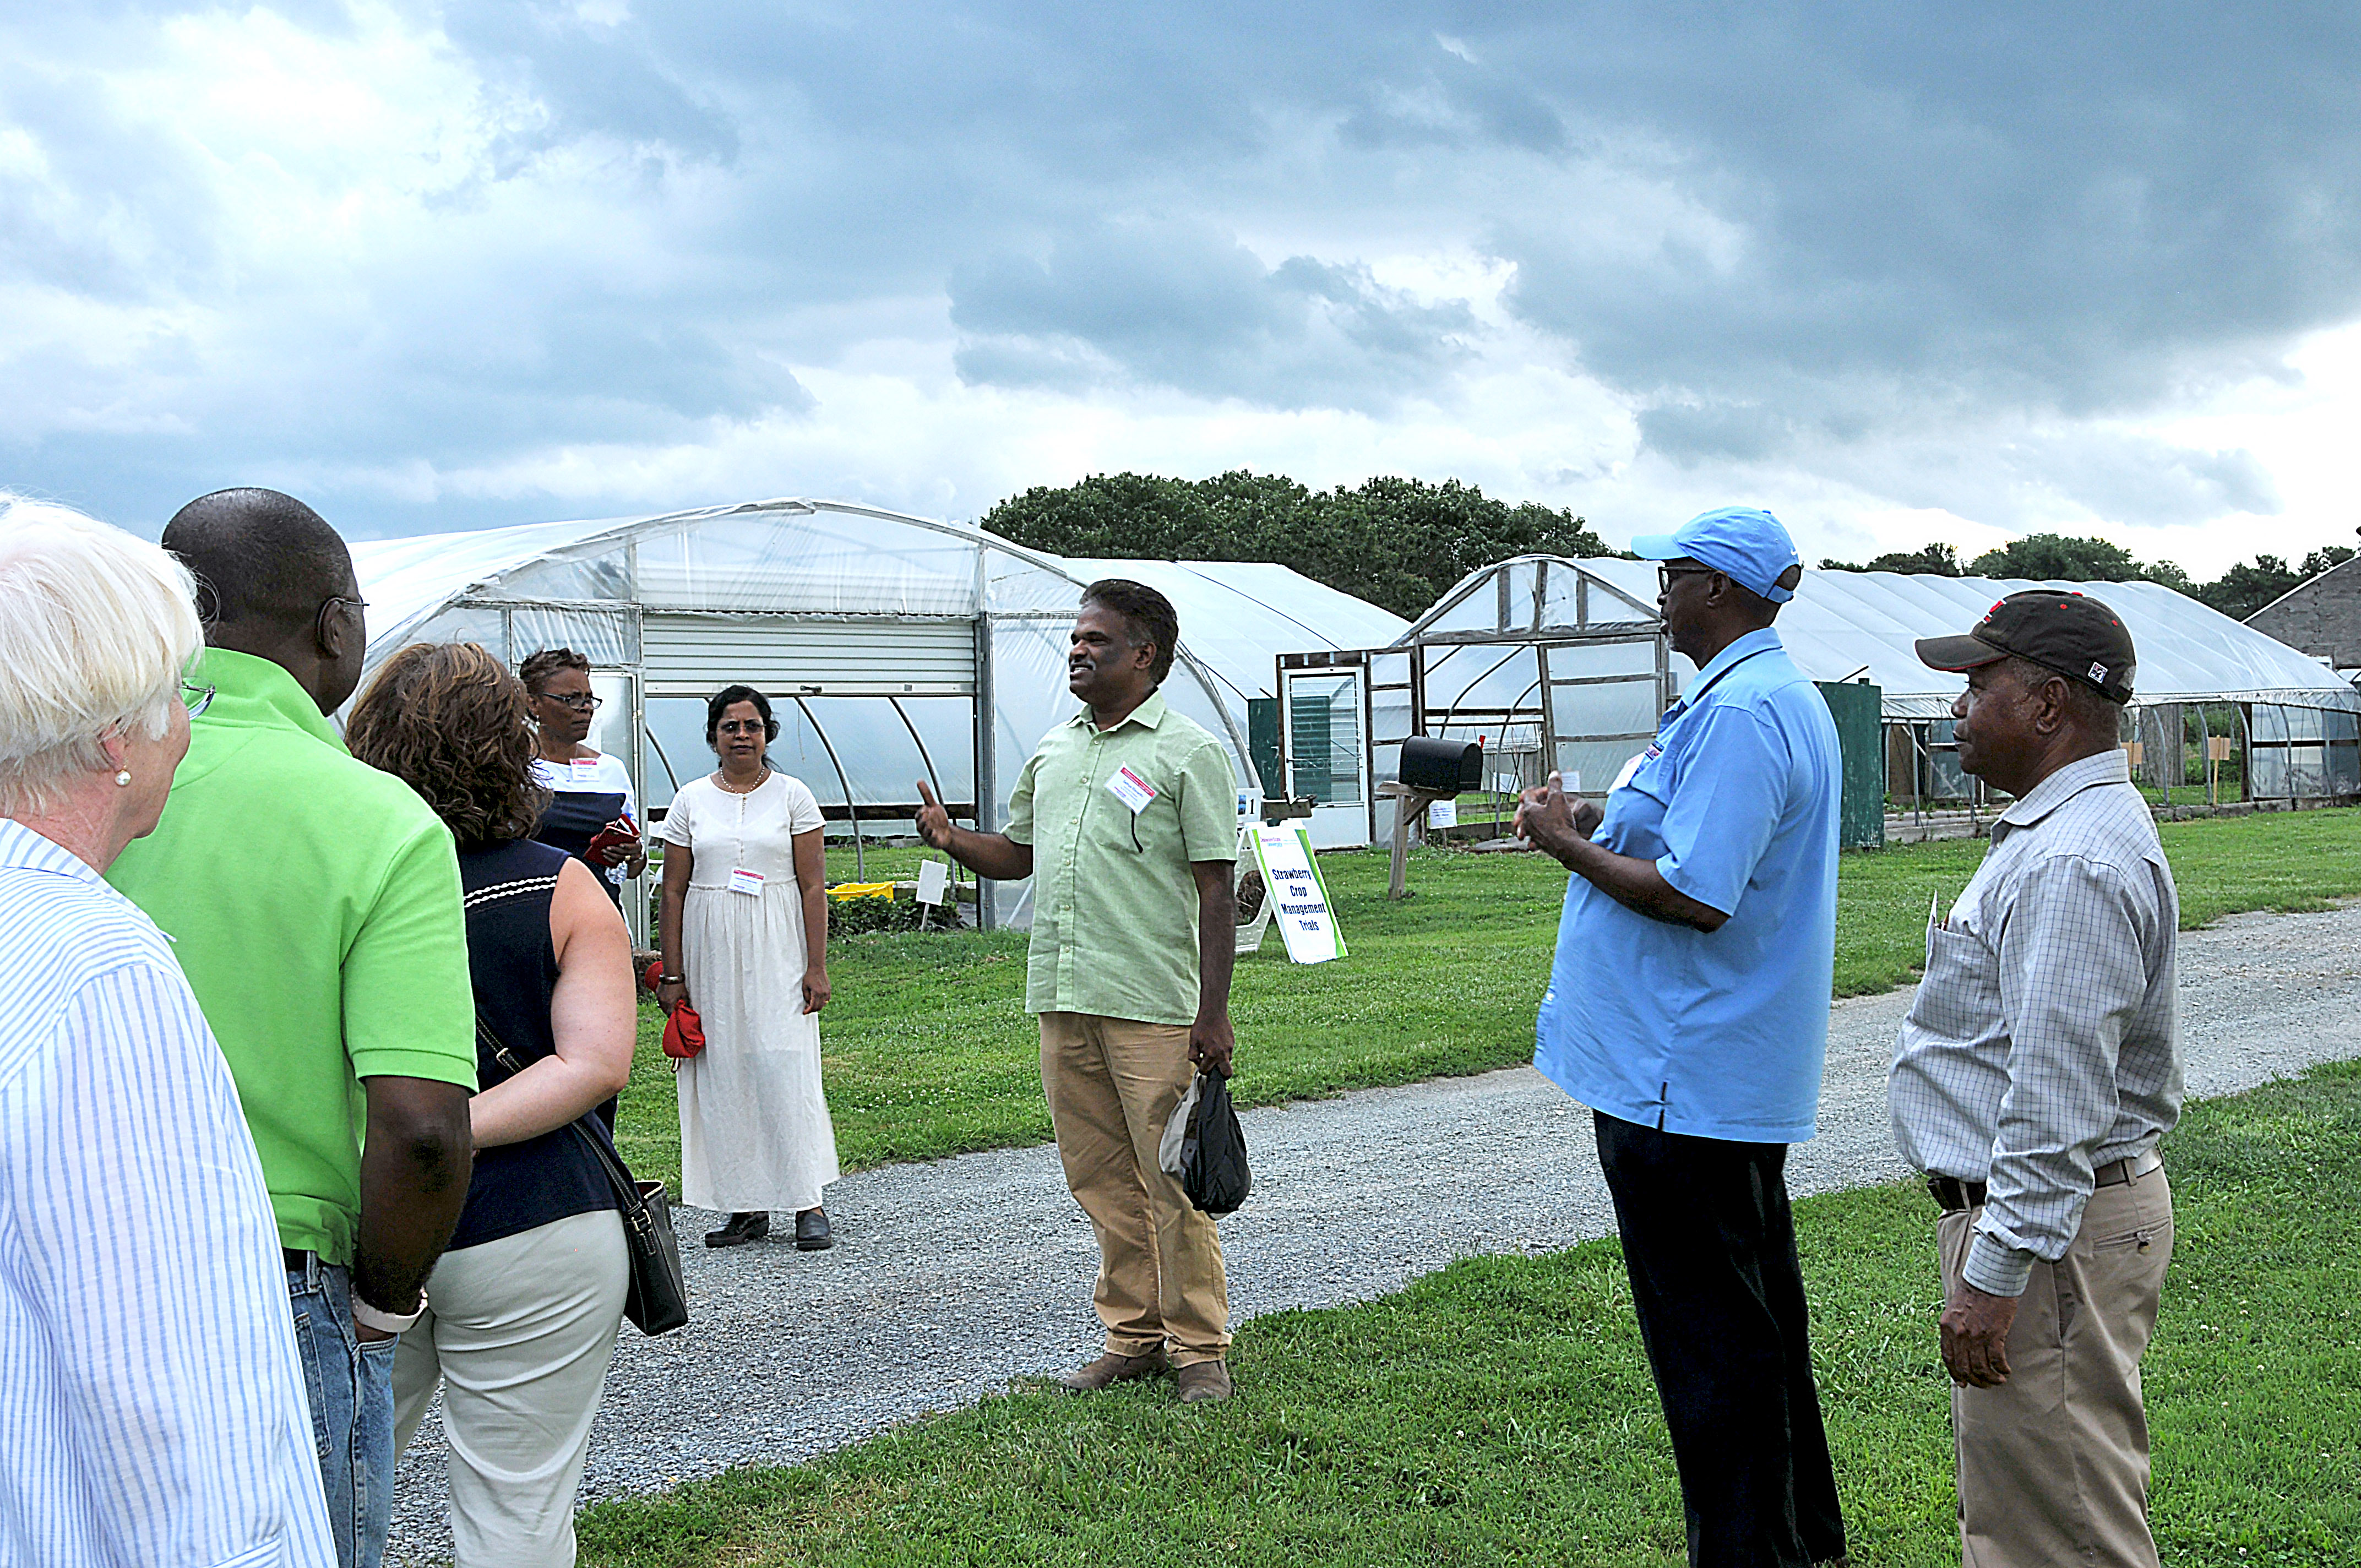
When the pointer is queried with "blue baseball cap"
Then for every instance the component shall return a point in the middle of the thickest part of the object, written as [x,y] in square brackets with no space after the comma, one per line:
[1746,544]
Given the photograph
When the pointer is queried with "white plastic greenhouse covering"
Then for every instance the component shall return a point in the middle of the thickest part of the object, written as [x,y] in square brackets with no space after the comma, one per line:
[886,634]
[1559,663]
[1843,625]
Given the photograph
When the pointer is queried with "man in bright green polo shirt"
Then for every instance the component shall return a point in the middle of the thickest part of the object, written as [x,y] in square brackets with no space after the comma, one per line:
[314,903]
[1126,820]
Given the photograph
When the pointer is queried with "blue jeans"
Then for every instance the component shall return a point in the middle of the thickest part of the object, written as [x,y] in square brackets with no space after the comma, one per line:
[351,1387]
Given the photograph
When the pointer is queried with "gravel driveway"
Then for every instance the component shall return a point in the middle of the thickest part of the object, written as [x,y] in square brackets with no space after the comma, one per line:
[948,1278]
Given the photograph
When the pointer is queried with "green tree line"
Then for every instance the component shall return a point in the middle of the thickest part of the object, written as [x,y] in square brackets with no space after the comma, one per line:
[1394,541]
[1399,543]
[2238,593]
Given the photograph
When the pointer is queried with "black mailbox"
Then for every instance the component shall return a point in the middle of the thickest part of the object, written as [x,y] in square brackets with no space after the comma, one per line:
[1441,767]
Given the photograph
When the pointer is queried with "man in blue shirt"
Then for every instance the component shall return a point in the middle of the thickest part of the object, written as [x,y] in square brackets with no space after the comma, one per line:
[1689,1007]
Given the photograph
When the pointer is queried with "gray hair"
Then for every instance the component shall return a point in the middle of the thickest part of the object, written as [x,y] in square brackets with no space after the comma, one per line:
[97,628]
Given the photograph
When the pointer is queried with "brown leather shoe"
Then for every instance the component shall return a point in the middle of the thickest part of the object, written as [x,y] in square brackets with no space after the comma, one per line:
[1113,1368]
[1204,1382]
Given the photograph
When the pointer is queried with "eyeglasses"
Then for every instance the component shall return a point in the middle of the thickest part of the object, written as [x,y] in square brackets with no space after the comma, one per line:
[1664,575]
[197,697]
[584,702]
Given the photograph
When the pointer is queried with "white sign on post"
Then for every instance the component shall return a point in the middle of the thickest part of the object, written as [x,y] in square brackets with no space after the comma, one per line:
[1298,899]
[934,877]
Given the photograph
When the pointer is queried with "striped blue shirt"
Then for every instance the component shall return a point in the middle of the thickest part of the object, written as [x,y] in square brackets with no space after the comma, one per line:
[152,1411]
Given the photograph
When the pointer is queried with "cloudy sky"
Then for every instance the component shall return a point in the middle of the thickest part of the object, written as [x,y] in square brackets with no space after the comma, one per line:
[1897,275]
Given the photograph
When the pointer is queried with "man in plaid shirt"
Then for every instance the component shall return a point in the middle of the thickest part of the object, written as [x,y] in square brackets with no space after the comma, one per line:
[2037,1070]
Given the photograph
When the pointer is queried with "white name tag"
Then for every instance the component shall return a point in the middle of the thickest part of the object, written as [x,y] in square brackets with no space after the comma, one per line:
[746,881]
[586,769]
[1131,789]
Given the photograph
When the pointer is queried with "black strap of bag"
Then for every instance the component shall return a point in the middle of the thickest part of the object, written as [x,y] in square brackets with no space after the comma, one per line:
[658,1299]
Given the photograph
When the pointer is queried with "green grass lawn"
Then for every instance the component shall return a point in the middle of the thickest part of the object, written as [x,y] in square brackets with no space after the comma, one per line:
[929,1051]
[1499,1410]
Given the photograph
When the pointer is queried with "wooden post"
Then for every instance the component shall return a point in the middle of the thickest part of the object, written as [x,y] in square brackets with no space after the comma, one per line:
[1408,804]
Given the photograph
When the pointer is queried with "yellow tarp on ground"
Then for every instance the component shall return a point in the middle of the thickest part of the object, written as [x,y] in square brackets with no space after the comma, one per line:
[845,892]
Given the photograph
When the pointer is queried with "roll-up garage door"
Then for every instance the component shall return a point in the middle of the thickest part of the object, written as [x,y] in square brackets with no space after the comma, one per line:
[684,656]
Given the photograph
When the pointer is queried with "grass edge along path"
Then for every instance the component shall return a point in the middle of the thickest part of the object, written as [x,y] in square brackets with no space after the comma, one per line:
[927,1051]
[1499,1412]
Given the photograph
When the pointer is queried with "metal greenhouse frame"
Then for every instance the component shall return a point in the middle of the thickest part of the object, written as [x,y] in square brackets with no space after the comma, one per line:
[1572,656]
[893,647]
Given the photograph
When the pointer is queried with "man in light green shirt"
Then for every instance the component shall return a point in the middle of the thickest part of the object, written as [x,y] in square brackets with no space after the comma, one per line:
[314,903]
[1125,818]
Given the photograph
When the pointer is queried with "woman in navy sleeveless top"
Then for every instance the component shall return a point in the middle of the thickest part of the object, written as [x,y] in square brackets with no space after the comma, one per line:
[523,1305]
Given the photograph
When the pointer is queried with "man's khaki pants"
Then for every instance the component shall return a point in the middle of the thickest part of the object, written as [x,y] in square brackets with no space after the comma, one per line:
[1112,1083]
[2053,1463]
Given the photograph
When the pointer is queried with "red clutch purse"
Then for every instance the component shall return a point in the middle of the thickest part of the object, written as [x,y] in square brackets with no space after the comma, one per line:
[684,1032]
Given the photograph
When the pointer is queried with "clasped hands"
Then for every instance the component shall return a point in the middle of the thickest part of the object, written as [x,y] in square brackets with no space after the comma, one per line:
[1548,818]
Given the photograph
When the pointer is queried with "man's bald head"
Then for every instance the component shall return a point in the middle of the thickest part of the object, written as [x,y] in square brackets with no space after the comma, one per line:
[264,562]
[275,581]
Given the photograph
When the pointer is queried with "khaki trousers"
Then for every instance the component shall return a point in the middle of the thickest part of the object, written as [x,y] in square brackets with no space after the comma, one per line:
[519,1332]
[2054,1464]
[1112,1083]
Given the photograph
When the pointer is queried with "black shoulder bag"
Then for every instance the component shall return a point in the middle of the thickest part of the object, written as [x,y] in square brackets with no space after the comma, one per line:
[658,1300]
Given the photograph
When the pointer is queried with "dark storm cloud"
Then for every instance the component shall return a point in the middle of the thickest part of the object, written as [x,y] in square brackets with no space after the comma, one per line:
[1187,306]
[1837,237]
[2074,209]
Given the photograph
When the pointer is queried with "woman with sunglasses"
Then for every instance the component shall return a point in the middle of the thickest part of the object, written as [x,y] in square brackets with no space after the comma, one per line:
[593,815]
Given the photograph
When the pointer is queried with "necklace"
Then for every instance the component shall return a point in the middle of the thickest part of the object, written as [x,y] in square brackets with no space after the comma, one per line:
[721,781]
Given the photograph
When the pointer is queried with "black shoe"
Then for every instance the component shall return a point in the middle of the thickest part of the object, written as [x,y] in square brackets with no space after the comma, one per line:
[812,1234]
[741,1228]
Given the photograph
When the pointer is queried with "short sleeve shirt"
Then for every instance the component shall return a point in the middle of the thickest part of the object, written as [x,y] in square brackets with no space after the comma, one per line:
[314,903]
[1115,818]
[725,831]
[1721,1034]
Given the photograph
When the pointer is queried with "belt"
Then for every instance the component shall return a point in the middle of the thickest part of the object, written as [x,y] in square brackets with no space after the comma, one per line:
[296,1259]
[1954,1194]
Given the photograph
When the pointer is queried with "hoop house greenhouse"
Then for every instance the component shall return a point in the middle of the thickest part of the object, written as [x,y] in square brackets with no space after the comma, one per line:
[894,648]
[1562,663]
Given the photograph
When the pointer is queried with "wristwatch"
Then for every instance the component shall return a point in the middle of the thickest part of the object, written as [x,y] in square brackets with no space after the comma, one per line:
[385,1322]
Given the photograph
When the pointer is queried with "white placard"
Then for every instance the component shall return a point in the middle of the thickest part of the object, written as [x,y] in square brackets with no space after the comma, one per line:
[1443,814]
[1132,790]
[933,878]
[1297,898]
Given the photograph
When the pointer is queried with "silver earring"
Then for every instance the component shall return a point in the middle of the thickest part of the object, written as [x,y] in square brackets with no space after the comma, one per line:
[122,778]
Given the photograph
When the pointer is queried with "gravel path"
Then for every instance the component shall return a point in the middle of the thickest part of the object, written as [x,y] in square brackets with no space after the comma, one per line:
[948,1278]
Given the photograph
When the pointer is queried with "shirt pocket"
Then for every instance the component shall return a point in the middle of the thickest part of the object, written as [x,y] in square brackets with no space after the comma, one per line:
[1959,995]
[1109,823]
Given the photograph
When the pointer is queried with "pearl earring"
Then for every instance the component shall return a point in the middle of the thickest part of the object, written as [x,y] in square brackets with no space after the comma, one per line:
[122,778]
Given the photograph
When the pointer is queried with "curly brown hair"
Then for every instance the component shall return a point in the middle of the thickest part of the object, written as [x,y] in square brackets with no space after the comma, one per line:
[447,719]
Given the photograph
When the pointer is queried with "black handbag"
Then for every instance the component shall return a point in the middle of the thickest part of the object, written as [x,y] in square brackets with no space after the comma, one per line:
[657,1301]
[1213,1149]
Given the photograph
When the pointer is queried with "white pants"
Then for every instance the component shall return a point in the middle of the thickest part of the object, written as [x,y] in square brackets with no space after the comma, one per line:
[519,1332]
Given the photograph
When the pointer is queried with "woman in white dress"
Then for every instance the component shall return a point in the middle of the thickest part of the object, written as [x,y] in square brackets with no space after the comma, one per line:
[745,943]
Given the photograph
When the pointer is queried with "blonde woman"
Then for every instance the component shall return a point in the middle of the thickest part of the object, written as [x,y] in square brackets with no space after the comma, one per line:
[152,1404]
